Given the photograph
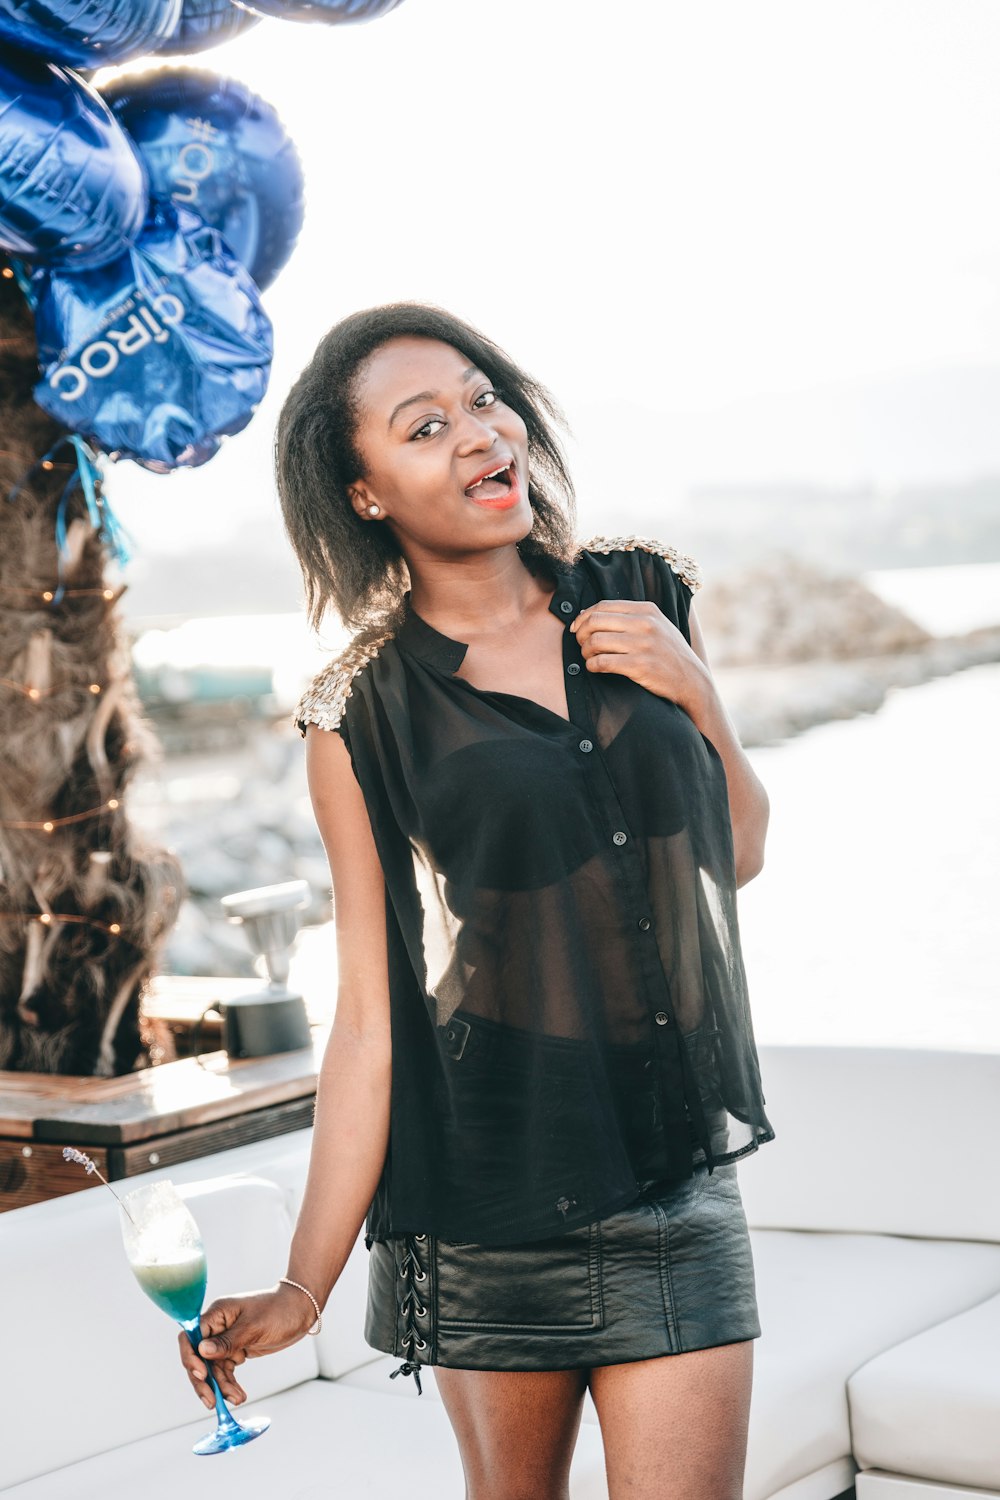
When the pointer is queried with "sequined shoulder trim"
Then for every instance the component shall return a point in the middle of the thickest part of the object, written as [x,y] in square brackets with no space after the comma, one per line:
[324,700]
[685,566]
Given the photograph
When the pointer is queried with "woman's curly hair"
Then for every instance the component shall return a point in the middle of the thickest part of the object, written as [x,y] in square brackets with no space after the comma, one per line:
[358,568]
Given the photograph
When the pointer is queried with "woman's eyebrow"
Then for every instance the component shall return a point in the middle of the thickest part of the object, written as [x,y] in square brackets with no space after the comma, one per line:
[429,395]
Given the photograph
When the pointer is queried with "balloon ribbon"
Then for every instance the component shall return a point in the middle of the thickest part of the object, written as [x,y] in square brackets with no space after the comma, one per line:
[87,474]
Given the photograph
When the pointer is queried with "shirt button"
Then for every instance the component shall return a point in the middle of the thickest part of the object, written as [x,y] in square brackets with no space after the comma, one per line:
[644,923]
[662,1019]
[573,668]
[619,838]
[566,607]
[586,744]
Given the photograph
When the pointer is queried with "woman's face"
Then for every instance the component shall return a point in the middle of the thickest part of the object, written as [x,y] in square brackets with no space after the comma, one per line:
[430,425]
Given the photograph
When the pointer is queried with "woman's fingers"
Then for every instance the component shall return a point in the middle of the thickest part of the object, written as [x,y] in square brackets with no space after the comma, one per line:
[228,1384]
[196,1371]
[234,1329]
[222,1328]
[198,1375]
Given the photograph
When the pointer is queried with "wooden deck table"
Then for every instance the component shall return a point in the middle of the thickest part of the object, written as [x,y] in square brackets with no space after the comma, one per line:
[173,1112]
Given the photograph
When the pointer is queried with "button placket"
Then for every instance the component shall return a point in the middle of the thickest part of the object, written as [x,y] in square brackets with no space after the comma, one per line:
[576,695]
[666,1036]
[670,1069]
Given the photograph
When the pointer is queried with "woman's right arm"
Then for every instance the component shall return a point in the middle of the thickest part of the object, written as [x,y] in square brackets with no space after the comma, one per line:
[351,1122]
[351,1129]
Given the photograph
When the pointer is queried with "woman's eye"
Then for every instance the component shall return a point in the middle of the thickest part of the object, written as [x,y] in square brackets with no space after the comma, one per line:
[422,431]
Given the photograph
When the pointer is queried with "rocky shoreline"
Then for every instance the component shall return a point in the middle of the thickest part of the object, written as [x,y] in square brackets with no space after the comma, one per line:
[770,703]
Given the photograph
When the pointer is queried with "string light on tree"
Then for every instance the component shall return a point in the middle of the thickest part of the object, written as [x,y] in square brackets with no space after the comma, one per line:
[36,693]
[47,595]
[48,825]
[46,919]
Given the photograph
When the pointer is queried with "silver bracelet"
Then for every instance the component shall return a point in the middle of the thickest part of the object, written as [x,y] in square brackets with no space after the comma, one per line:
[312,1299]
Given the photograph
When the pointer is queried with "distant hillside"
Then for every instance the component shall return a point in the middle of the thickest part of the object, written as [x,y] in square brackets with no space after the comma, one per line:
[856,528]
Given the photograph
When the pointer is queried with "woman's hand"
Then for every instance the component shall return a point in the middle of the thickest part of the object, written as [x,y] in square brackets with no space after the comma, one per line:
[635,638]
[244,1327]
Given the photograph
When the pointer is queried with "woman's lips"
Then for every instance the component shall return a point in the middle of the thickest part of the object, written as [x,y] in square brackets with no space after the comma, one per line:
[500,502]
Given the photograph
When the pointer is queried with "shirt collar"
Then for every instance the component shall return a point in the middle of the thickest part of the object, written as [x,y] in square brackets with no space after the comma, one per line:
[422,640]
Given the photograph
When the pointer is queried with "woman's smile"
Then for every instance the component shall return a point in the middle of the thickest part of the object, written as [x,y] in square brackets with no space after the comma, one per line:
[498,489]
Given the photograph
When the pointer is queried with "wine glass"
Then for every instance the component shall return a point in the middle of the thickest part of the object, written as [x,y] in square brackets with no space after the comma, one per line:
[165,1250]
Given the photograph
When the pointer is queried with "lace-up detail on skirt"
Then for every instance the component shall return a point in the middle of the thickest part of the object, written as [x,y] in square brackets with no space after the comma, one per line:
[413,1306]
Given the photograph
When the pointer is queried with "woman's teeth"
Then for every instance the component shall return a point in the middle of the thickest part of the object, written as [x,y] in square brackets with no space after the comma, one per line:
[501,475]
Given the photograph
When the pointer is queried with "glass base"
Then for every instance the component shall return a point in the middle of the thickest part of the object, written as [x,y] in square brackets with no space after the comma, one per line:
[231,1435]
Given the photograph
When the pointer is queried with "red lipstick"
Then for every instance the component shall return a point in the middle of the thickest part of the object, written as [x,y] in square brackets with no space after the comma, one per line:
[505,498]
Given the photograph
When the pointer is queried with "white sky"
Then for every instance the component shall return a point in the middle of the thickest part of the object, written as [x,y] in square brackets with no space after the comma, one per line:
[665,211]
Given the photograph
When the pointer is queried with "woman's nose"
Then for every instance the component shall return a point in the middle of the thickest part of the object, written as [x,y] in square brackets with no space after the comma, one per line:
[475,433]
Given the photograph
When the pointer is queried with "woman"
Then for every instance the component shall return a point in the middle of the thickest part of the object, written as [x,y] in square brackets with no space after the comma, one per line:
[542,1069]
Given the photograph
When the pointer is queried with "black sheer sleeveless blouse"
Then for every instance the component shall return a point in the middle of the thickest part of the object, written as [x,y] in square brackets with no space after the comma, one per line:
[569,1005]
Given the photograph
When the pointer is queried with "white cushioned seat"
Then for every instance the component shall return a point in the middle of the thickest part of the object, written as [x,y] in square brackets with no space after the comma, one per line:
[102,1362]
[324,1443]
[828,1304]
[931,1405]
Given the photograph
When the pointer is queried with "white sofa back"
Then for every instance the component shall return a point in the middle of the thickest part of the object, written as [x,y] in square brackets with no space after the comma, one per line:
[888,1140]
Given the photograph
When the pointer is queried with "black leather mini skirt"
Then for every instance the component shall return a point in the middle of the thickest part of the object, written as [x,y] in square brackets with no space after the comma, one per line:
[671,1272]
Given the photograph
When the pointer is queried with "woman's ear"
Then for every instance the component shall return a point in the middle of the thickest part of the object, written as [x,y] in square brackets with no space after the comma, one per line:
[360,499]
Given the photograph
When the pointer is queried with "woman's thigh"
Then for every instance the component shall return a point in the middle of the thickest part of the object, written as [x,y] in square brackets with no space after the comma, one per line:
[675,1428]
[516,1430]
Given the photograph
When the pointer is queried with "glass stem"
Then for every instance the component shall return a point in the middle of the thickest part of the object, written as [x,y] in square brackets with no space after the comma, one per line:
[225,1416]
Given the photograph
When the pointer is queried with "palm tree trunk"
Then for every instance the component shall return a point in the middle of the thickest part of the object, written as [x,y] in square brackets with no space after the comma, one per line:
[84,905]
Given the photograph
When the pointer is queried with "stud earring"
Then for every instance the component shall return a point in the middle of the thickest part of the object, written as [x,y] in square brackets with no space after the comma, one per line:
[373,510]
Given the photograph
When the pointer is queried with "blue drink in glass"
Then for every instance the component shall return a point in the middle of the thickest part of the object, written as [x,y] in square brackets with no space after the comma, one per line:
[165,1250]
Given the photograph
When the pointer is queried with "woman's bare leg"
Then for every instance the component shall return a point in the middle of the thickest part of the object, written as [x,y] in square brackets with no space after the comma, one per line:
[675,1428]
[516,1430]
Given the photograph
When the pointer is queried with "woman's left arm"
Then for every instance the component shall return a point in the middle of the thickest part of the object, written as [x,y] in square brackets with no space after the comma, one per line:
[635,638]
[749,806]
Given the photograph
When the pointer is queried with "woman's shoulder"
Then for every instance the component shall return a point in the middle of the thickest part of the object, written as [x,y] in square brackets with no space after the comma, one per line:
[681,563]
[325,697]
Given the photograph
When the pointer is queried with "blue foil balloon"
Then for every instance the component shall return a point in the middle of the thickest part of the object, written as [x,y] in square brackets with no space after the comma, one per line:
[206,23]
[159,354]
[88,33]
[211,145]
[72,188]
[331,11]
